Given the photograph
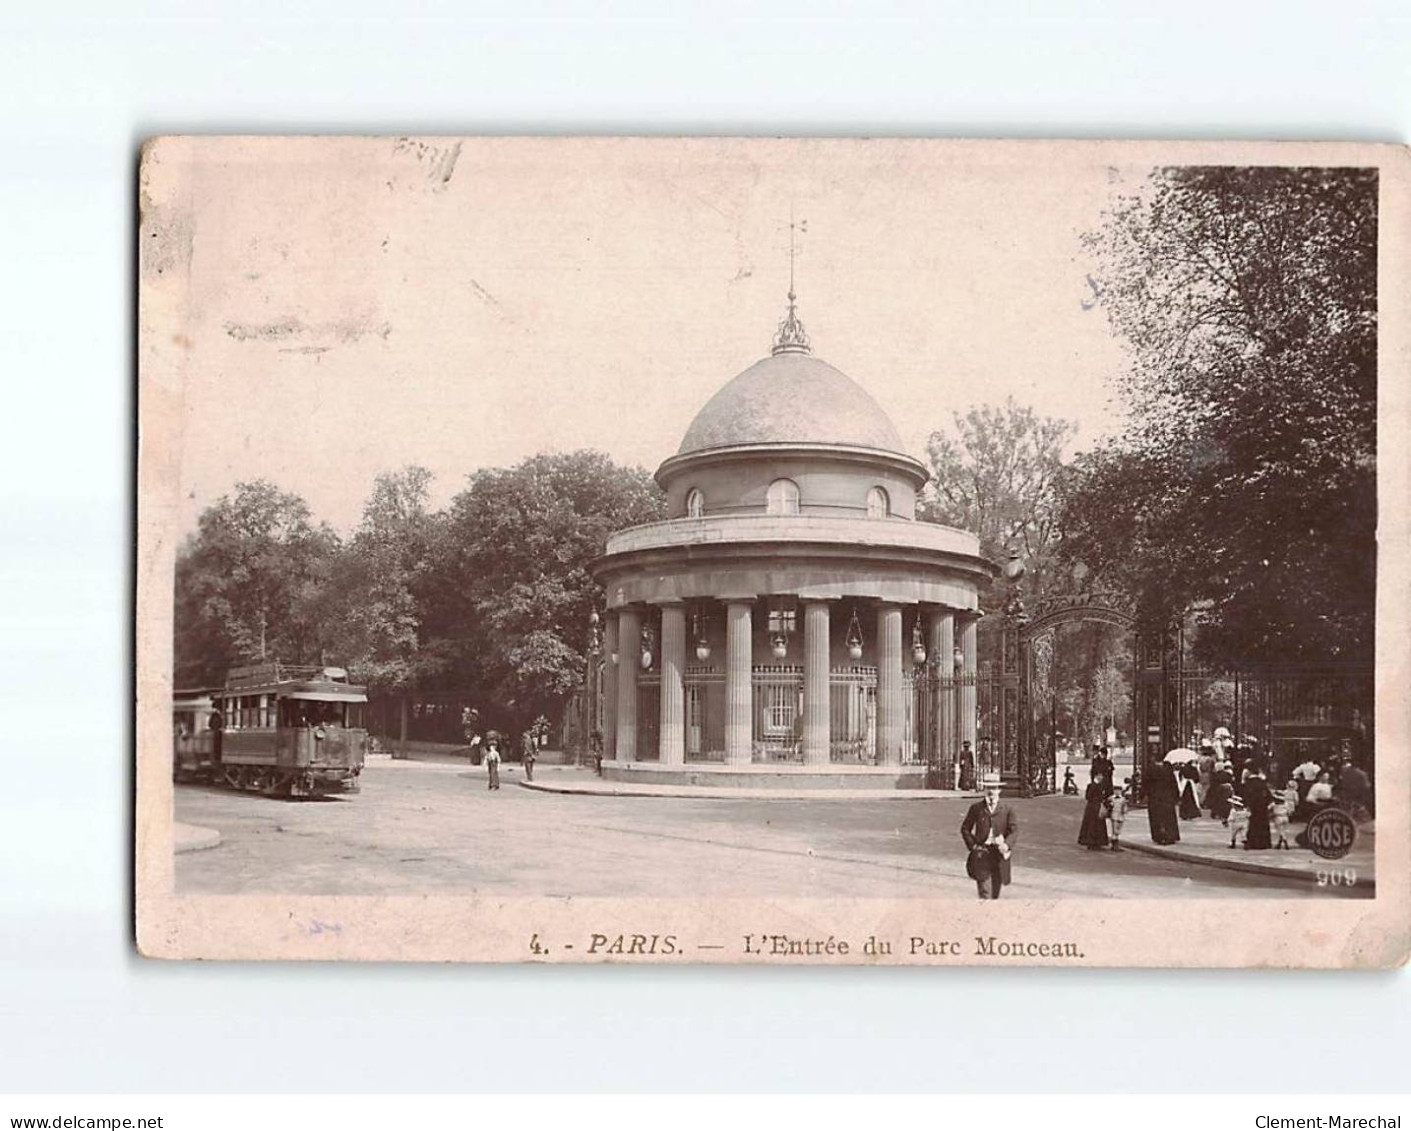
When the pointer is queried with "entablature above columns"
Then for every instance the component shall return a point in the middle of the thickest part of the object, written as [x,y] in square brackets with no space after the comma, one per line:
[900,586]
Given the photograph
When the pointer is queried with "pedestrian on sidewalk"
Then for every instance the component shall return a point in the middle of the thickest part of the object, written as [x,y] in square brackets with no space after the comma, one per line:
[1102,767]
[1305,774]
[1320,793]
[1205,764]
[1285,802]
[1162,798]
[1092,833]
[526,747]
[492,760]
[1222,792]
[1190,804]
[1258,799]
[1354,791]
[990,830]
[1117,812]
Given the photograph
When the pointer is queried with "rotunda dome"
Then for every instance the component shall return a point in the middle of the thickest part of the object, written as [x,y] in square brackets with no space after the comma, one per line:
[791,397]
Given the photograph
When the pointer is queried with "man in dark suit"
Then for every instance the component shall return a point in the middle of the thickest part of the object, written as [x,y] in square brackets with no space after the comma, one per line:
[989,830]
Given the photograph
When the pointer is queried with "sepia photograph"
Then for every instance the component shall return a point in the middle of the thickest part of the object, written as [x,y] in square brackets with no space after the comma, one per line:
[772,550]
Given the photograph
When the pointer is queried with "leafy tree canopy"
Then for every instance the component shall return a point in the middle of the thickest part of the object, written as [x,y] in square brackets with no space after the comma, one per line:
[511,591]
[379,616]
[995,474]
[1244,487]
[248,584]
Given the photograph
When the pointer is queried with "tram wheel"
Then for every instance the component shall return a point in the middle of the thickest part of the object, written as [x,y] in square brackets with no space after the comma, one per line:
[233,776]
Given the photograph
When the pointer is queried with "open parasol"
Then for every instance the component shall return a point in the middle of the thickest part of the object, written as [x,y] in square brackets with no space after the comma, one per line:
[1181,754]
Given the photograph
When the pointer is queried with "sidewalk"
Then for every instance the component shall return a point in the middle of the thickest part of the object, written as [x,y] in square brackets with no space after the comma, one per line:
[590,785]
[1205,840]
[193,838]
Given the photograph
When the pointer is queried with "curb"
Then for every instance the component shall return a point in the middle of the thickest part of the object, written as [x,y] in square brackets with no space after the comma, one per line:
[1185,857]
[194,838]
[691,793]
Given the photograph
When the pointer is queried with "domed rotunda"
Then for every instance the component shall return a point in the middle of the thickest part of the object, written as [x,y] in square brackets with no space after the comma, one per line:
[791,623]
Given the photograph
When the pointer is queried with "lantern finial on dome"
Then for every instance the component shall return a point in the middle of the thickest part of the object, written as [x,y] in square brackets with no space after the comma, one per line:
[791,337]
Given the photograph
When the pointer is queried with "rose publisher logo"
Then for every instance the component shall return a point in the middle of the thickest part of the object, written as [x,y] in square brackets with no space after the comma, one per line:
[1331,834]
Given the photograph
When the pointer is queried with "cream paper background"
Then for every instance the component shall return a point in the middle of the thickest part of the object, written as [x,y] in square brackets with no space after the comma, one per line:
[201,398]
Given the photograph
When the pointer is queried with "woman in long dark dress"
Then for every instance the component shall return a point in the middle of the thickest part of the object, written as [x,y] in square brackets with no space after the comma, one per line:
[1161,805]
[1257,800]
[1092,833]
[1190,777]
[1222,791]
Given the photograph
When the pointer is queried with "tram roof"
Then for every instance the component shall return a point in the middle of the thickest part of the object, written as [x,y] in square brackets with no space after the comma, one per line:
[318,690]
[324,692]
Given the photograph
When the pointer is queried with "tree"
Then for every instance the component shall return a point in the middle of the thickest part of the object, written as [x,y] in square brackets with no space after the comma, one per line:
[512,589]
[995,476]
[248,584]
[1245,485]
[377,581]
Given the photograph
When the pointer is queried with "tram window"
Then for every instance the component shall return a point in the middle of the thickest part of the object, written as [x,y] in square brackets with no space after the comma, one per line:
[292,713]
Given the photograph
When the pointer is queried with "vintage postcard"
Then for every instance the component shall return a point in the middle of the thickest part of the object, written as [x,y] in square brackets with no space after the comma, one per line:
[773,551]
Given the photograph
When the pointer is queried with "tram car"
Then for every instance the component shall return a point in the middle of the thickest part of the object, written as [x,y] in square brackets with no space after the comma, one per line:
[193,740]
[286,731]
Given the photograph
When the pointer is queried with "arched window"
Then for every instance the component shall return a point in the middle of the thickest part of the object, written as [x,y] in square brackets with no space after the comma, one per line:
[783,497]
[878,505]
[695,503]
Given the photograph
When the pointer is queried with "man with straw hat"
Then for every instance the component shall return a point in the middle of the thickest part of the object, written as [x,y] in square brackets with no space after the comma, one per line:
[989,830]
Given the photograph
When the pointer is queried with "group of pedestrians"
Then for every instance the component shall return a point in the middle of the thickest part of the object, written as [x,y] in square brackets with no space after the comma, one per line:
[493,744]
[1105,804]
[1242,788]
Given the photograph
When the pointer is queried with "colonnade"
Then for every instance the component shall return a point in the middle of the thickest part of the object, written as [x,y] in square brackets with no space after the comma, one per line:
[946,630]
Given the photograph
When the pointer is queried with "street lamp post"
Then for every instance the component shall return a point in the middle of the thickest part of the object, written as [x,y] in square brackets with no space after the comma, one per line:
[590,691]
[1017,618]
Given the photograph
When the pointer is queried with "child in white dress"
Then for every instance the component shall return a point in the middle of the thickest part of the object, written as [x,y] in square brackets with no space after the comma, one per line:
[1117,813]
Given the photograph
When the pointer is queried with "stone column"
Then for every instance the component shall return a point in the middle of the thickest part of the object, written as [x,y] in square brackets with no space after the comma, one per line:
[891,711]
[942,648]
[671,743]
[629,643]
[969,634]
[739,691]
[610,687]
[816,737]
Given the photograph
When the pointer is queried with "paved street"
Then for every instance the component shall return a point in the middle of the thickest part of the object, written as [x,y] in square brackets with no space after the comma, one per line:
[430,828]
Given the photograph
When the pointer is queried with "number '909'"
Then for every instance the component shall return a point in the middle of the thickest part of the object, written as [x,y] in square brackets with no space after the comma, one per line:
[1336,877]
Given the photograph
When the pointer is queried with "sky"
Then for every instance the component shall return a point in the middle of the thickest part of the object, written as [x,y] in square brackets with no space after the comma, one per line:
[351,306]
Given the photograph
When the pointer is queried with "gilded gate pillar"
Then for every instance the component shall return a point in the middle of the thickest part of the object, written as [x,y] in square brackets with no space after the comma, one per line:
[942,649]
[739,690]
[816,737]
[610,687]
[671,742]
[629,637]
[891,710]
